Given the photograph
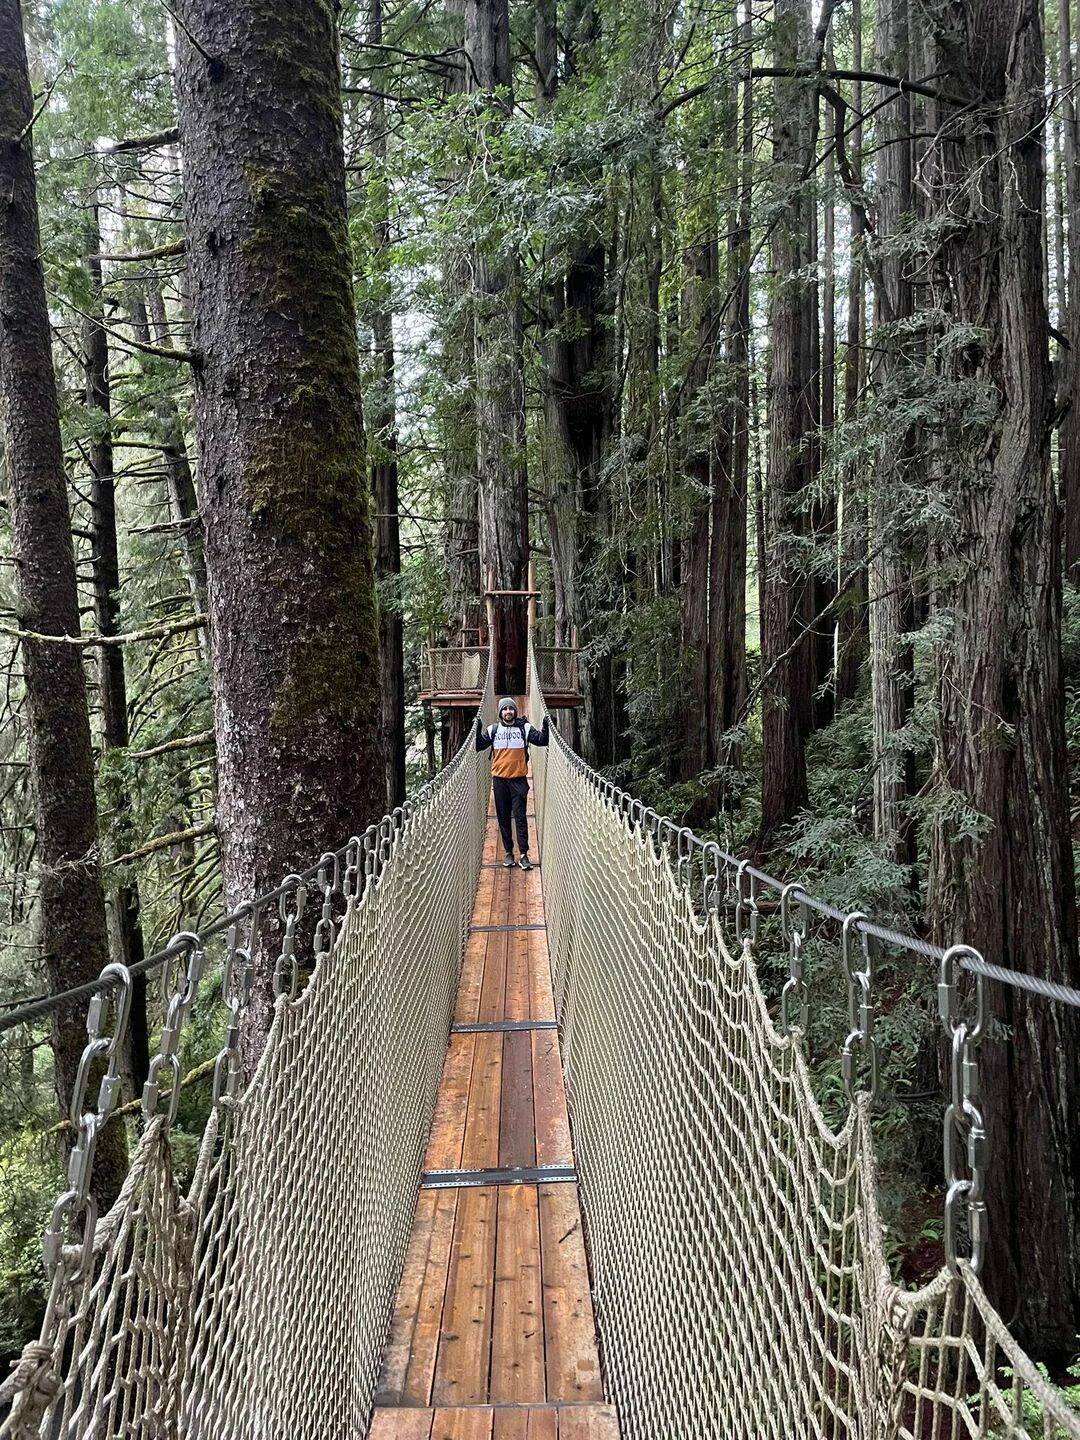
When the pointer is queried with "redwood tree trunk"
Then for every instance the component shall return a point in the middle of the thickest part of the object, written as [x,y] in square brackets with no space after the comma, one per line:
[1008,890]
[784,658]
[73,931]
[283,471]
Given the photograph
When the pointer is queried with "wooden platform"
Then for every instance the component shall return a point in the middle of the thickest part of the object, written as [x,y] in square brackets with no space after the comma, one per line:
[493,1336]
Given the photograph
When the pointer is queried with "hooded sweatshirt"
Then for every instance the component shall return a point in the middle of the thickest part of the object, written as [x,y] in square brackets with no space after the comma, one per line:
[509,743]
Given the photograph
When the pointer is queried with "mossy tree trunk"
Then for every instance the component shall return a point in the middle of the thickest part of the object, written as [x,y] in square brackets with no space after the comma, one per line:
[283,470]
[73,931]
[1005,882]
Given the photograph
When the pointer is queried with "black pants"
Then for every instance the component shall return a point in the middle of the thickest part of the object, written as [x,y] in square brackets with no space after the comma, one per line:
[510,798]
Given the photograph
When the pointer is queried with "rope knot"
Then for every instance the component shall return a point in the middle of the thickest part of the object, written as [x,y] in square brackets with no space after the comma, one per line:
[31,1385]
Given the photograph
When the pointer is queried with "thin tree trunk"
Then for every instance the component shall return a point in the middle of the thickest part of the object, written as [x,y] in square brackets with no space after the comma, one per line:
[890,598]
[179,483]
[1007,888]
[783,653]
[384,465]
[727,577]
[283,469]
[500,374]
[112,682]
[458,428]
[74,934]
[852,620]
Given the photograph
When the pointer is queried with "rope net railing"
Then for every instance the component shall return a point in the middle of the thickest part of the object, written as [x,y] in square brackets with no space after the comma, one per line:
[255,1305]
[734,1237]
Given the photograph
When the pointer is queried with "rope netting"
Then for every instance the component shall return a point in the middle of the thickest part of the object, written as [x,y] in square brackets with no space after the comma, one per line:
[735,1242]
[256,1305]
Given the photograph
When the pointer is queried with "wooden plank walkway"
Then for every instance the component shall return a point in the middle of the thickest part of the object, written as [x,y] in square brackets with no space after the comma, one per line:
[493,1336]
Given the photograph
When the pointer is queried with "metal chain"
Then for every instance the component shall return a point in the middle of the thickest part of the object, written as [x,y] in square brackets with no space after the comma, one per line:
[178,1008]
[329,882]
[237,985]
[964,1129]
[102,1047]
[795,991]
[861,1009]
[286,974]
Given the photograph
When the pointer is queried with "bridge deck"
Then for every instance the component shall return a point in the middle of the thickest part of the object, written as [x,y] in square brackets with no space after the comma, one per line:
[493,1335]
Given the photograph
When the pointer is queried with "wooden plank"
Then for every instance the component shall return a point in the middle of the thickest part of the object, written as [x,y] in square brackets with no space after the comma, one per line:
[534,1422]
[461,1370]
[462,1424]
[551,1120]
[542,999]
[395,1365]
[492,1004]
[573,1363]
[517,1342]
[588,1422]
[401,1425]
[420,1374]
[471,980]
[517,1124]
[452,1107]
[480,1150]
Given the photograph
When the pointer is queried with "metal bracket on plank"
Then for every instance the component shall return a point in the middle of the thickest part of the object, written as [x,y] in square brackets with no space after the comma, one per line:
[501,929]
[492,1027]
[498,865]
[473,1179]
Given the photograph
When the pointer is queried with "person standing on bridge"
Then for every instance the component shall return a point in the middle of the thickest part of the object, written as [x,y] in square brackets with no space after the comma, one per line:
[509,743]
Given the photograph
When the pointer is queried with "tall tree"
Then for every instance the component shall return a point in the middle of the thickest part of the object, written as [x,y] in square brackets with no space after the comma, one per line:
[384,460]
[74,937]
[112,679]
[1069,434]
[283,468]
[890,591]
[784,651]
[1004,882]
[500,374]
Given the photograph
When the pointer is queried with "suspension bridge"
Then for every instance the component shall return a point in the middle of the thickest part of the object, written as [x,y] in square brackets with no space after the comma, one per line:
[527,1157]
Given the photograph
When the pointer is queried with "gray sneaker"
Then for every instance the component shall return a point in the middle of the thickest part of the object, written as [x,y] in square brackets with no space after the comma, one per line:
[508,861]
[525,862]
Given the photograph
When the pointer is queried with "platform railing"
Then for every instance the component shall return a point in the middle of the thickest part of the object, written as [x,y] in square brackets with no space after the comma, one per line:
[557,668]
[448,669]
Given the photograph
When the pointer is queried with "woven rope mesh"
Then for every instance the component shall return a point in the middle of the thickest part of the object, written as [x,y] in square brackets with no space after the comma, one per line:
[256,1307]
[734,1238]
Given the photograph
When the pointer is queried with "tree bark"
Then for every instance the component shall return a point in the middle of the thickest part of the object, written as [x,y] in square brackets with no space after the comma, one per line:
[500,373]
[852,621]
[457,354]
[1069,433]
[112,682]
[283,469]
[784,652]
[1008,887]
[384,464]
[74,935]
[889,578]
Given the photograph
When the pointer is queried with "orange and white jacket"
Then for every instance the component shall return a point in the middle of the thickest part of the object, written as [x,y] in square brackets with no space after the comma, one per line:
[509,745]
